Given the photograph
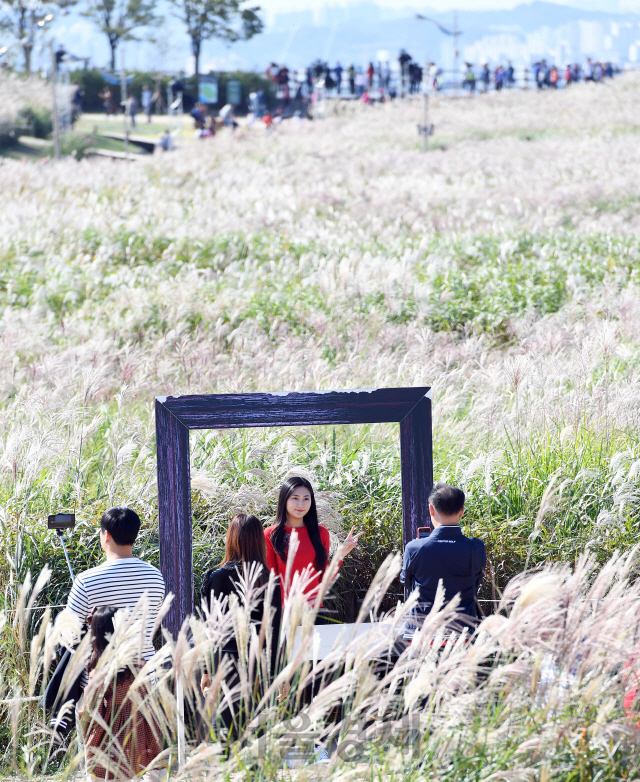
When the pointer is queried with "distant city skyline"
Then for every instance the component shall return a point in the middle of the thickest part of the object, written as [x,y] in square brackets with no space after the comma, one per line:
[360,31]
[272,7]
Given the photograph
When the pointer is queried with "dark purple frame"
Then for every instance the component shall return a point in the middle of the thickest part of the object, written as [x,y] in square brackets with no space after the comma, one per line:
[176,415]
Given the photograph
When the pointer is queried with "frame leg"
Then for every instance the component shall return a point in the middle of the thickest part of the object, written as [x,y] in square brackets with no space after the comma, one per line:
[416,449]
[174,515]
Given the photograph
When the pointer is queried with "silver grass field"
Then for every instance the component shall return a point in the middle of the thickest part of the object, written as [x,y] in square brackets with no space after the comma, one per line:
[502,268]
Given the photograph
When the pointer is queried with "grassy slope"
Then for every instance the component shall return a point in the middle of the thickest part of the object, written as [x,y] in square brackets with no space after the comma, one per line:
[502,271]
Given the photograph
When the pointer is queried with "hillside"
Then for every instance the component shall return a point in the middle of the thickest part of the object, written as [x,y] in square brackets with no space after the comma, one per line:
[502,268]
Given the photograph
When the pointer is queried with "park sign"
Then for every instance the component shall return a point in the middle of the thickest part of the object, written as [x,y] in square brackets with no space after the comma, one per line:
[177,415]
[234,92]
[208,89]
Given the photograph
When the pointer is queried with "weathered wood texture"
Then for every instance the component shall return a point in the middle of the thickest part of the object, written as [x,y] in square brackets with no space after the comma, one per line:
[233,411]
[416,460]
[174,514]
[175,416]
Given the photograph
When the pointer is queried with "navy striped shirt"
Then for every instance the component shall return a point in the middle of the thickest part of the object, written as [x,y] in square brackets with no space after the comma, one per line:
[119,583]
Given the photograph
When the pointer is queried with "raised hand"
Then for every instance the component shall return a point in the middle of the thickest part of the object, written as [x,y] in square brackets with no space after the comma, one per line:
[351,541]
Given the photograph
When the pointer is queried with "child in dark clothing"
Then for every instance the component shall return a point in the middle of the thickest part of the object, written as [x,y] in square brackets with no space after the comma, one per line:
[120,743]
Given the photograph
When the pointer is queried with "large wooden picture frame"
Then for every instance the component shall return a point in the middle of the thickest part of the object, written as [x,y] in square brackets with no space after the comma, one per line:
[177,415]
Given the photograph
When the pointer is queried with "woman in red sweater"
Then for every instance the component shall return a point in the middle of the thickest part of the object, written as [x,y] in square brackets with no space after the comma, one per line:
[297,510]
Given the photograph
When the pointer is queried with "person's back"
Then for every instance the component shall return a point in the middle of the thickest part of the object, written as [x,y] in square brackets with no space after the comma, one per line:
[121,739]
[245,559]
[243,573]
[446,555]
[123,579]
[228,580]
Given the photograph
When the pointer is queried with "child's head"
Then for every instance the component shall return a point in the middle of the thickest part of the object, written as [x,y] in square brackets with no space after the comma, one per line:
[101,631]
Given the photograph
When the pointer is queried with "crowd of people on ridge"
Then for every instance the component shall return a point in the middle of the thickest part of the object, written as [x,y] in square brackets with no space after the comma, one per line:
[540,75]
[298,90]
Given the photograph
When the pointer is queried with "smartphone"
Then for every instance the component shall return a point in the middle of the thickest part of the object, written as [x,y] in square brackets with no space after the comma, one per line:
[424,532]
[61,521]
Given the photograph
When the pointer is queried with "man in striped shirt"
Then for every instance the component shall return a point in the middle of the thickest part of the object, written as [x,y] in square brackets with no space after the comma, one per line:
[122,579]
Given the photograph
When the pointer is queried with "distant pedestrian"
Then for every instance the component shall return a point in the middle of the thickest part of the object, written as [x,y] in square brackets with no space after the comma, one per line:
[568,75]
[131,108]
[387,76]
[415,77]
[370,74]
[282,80]
[554,77]
[338,72]
[498,78]
[147,101]
[588,70]
[261,104]
[76,101]
[227,117]
[211,128]
[404,58]
[469,79]
[166,142]
[199,114]
[106,98]
[509,79]
[485,76]
[352,79]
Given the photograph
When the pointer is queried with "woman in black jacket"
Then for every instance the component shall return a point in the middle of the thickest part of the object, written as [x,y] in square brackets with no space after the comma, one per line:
[245,561]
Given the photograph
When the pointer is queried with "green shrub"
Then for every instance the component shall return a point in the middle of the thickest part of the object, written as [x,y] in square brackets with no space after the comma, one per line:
[36,118]
[8,136]
[76,144]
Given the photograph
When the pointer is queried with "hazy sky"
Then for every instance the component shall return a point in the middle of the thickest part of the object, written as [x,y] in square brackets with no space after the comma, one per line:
[279,6]
[171,50]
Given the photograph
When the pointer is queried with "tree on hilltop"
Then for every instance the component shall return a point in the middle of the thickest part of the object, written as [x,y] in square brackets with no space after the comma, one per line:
[228,20]
[118,19]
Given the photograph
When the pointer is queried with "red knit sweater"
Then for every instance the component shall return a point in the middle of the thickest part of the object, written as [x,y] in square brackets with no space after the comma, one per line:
[305,556]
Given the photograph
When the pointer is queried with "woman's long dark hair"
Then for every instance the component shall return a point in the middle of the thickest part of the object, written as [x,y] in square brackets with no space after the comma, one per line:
[245,543]
[310,522]
[101,626]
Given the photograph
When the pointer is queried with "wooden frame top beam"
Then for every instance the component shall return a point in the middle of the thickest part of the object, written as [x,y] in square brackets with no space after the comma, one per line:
[305,408]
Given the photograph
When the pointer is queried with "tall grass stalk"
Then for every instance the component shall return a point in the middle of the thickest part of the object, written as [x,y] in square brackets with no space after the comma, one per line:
[539,687]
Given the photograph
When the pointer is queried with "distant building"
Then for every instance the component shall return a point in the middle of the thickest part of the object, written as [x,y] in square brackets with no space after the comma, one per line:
[591,38]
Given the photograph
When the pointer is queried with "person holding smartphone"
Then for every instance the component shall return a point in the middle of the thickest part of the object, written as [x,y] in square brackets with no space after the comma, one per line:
[445,555]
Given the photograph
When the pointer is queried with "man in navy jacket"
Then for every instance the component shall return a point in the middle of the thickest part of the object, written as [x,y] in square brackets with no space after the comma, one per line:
[445,555]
